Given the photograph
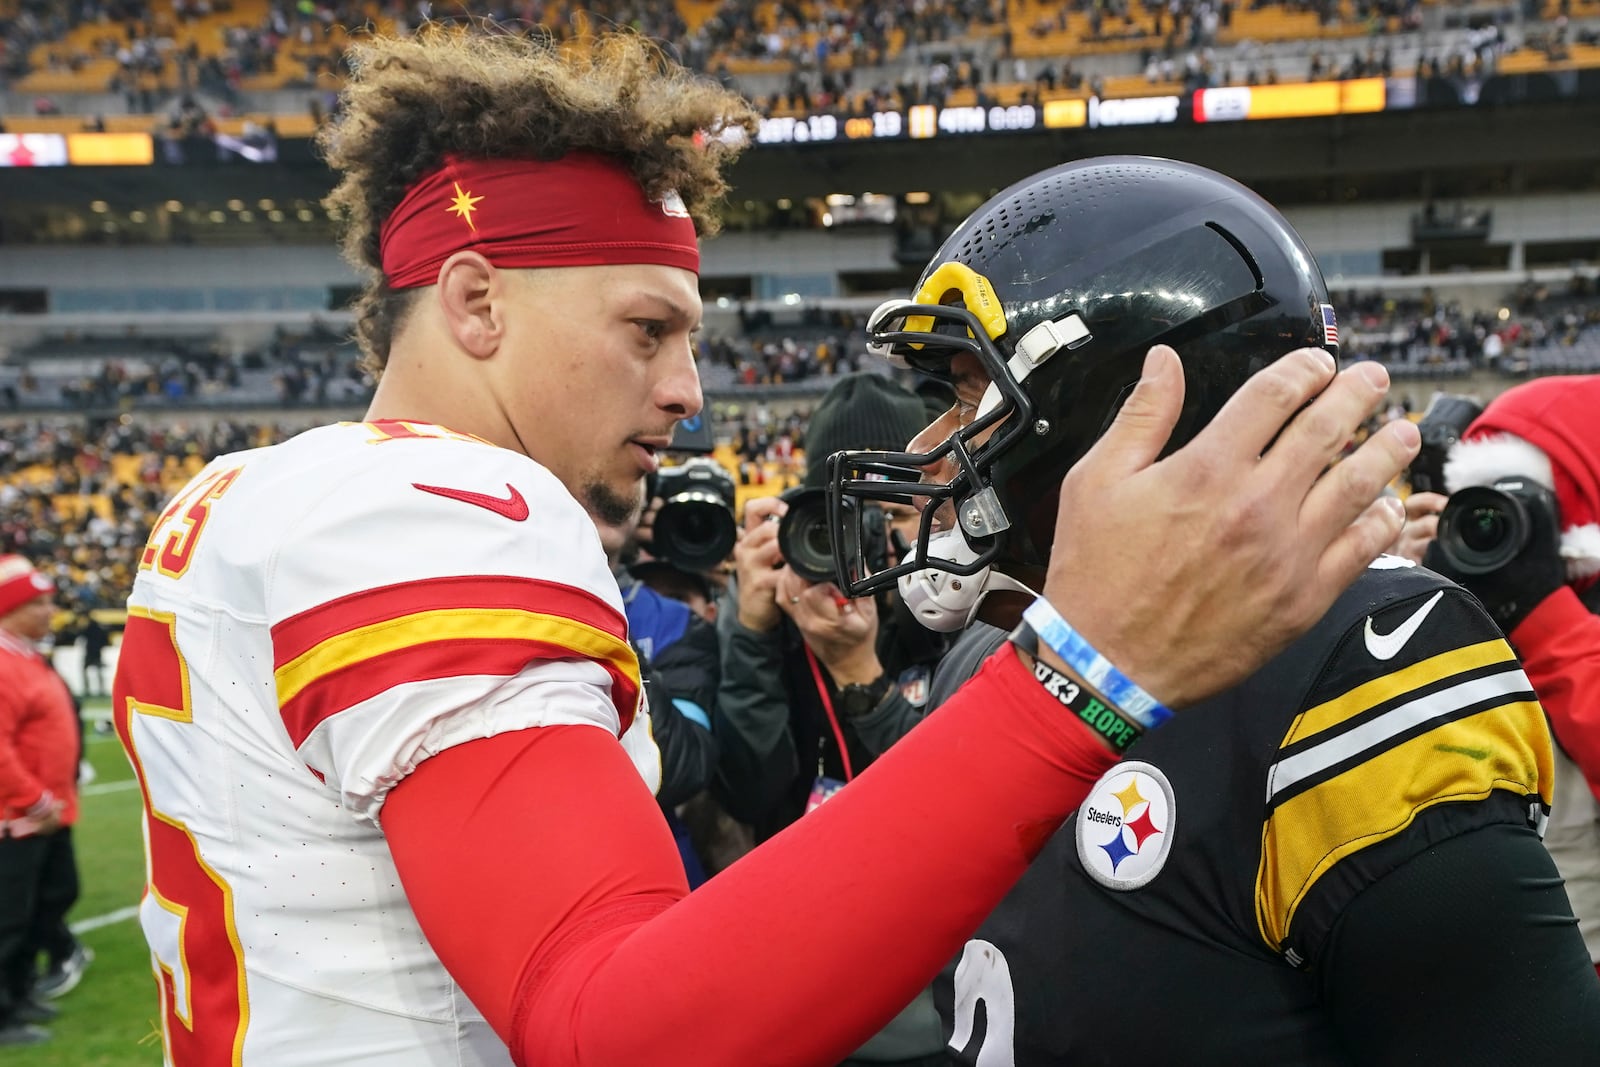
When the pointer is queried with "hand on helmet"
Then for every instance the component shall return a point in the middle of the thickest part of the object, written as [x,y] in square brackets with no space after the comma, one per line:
[1191,572]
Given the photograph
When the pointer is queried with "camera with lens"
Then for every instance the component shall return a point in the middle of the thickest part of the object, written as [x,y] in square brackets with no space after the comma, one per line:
[1484,527]
[1441,426]
[694,528]
[805,537]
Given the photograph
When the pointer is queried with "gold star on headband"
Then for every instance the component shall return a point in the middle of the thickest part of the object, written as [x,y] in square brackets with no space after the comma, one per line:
[464,205]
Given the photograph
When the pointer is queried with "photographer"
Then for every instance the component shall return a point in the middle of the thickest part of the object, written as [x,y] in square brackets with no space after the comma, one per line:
[1441,426]
[1539,444]
[814,686]
[678,664]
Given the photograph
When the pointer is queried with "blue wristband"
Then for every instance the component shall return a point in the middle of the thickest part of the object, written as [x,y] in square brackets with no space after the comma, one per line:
[1118,689]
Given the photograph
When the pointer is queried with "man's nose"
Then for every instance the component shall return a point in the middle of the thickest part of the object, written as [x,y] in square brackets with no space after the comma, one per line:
[931,437]
[679,391]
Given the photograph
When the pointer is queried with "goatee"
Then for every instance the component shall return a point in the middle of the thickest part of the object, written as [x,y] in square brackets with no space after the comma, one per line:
[611,507]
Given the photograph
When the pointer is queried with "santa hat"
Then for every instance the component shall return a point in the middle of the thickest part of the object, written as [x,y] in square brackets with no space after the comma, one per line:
[20,583]
[1546,430]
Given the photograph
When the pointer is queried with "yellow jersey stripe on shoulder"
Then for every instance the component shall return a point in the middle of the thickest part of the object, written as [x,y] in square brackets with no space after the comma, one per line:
[1504,747]
[1382,690]
[1289,772]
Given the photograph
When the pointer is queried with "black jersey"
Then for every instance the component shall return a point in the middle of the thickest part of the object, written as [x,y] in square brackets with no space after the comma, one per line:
[1181,916]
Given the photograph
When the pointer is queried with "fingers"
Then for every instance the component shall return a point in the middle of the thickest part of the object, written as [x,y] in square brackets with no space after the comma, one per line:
[1320,432]
[1256,414]
[762,509]
[1353,550]
[789,587]
[756,555]
[1423,529]
[1420,506]
[1145,422]
[1349,487]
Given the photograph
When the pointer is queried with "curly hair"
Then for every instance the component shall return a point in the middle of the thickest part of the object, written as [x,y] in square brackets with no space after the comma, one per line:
[410,101]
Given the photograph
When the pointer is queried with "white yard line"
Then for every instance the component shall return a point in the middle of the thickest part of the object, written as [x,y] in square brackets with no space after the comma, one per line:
[110,918]
[95,789]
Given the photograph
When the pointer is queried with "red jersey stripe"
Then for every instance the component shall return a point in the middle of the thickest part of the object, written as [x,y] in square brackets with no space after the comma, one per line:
[299,634]
[363,679]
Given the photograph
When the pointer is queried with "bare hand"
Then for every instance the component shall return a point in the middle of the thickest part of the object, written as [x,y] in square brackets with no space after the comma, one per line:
[644,534]
[50,821]
[1191,572]
[1422,525]
[758,564]
[843,633]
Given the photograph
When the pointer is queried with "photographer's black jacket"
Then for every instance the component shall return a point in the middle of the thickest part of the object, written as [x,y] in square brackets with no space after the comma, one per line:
[1335,864]
[770,721]
[679,671]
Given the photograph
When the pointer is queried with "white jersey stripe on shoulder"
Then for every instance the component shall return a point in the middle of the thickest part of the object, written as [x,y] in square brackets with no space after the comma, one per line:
[1288,773]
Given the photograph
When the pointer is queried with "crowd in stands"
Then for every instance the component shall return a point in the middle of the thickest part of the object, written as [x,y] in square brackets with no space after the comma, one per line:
[78,496]
[1540,331]
[822,345]
[834,52]
[314,367]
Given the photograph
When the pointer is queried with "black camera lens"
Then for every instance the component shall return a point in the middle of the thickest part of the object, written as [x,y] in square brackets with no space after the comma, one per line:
[694,528]
[804,537]
[1482,529]
[694,531]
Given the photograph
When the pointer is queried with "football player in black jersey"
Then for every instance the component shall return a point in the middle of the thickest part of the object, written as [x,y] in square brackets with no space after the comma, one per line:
[1338,862]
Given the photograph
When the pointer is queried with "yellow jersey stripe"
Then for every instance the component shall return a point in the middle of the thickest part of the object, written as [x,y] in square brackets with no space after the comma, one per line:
[1382,690]
[450,624]
[1503,747]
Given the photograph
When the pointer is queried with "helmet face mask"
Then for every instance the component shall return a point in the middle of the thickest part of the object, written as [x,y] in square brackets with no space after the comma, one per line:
[1057,288]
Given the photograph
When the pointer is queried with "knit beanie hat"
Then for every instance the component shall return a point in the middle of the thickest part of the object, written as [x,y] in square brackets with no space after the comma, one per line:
[864,410]
[1547,430]
[20,583]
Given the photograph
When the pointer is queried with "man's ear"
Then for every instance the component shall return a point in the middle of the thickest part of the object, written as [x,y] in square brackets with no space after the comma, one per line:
[472,297]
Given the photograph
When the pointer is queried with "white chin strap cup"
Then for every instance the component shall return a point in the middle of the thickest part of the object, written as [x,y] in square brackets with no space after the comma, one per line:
[945,602]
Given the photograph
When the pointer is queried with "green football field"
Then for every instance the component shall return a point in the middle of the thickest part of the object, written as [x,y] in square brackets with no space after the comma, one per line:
[112,1018]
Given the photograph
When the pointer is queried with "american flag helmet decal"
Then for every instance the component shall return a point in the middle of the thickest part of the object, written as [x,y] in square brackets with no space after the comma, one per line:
[1330,326]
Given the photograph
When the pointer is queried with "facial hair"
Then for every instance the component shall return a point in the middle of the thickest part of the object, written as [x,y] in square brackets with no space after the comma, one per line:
[611,507]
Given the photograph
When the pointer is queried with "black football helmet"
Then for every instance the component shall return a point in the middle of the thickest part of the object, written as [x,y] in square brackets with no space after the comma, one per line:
[1060,285]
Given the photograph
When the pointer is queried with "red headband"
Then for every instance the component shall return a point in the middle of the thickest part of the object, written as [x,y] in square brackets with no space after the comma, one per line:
[583,209]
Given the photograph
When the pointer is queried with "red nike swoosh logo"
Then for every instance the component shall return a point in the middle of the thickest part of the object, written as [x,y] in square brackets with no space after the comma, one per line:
[512,507]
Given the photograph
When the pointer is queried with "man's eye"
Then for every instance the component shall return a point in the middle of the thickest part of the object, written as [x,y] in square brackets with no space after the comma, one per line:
[651,328]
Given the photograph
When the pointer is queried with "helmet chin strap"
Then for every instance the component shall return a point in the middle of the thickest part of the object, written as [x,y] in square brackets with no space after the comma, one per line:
[945,602]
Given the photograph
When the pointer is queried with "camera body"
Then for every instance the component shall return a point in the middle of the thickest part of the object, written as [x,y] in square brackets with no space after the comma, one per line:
[805,536]
[694,529]
[1484,527]
[1442,424]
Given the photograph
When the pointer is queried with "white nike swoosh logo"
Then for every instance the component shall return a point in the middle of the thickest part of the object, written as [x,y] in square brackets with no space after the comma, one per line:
[1387,646]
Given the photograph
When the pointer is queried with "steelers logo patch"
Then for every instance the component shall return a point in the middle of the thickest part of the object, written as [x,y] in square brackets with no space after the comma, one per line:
[1125,826]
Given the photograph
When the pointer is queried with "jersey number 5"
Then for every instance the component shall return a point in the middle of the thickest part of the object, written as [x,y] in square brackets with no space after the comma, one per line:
[983,975]
[187,912]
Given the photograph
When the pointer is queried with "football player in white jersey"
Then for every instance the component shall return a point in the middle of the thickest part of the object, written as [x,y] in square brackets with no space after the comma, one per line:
[374,678]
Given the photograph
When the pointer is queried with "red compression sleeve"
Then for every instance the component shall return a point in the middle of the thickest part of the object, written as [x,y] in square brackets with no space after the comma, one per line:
[1559,643]
[542,874]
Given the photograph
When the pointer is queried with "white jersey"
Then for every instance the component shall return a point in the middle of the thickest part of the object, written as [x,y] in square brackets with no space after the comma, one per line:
[310,622]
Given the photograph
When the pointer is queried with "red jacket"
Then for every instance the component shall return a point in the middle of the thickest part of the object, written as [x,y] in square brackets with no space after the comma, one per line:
[38,738]
[1559,643]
